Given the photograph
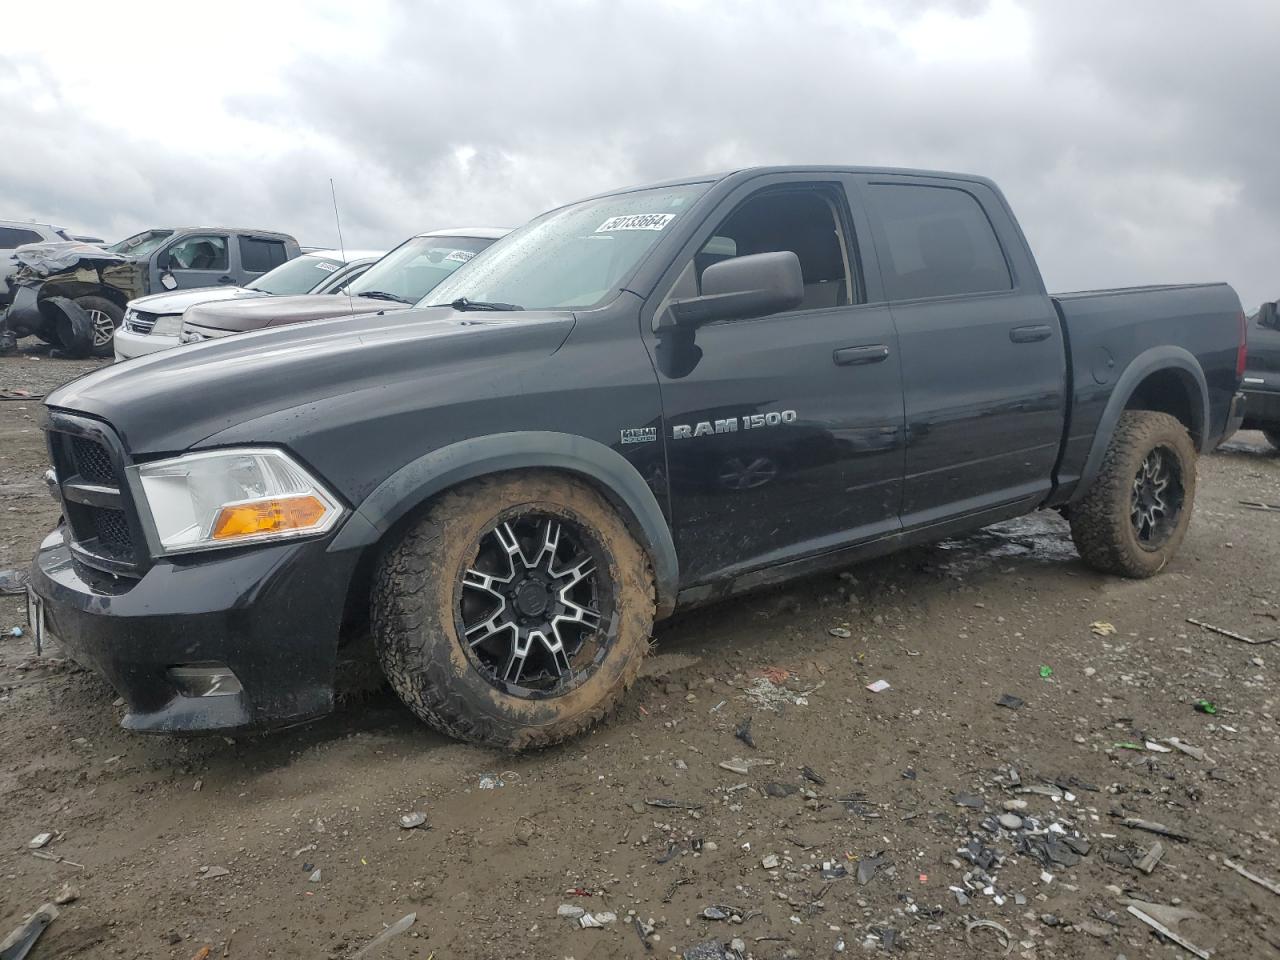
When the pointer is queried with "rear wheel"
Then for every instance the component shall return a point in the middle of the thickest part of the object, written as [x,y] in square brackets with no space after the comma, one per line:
[1134,517]
[515,612]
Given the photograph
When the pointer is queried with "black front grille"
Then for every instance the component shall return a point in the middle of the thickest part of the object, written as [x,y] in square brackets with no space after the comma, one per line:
[93,463]
[113,530]
[101,522]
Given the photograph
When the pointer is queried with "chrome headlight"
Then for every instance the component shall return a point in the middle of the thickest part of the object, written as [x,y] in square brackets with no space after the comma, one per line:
[227,498]
[167,325]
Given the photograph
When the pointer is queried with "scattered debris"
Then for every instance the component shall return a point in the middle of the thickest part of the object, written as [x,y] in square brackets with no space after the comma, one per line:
[1046,672]
[1168,933]
[878,686]
[491,781]
[19,943]
[15,632]
[54,858]
[412,820]
[569,911]
[668,804]
[393,931]
[1002,932]
[867,868]
[743,733]
[13,581]
[809,774]
[212,873]
[1151,858]
[39,840]
[1102,629]
[68,894]
[1194,752]
[770,862]
[1227,633]
[971,800]
[1206,706]
[769,694]
[315,876]
[1257,505]
[1010,701]
[203,953]
[779,790]
[841,632]
[596,921]
[1152,827]
[1260,881]
[707,950]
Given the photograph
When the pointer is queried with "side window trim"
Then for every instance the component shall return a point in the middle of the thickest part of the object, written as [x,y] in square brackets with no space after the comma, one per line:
[967,187]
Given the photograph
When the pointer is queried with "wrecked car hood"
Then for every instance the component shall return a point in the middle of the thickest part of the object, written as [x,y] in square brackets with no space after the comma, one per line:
[170,401]
[276,311]
[180,300]
[45,259]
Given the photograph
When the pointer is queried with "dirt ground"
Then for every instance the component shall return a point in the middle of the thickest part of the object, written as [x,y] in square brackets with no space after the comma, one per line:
[289,845]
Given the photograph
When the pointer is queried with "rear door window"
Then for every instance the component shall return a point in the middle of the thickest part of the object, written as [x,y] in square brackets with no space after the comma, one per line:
[11,237]
[199,253]
[935,242]
[258,255]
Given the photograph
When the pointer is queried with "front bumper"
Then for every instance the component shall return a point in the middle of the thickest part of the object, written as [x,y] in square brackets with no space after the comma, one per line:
[129,344]
[271,614]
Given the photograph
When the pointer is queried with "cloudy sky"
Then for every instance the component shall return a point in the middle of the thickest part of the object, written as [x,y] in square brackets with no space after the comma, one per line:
[1135,140]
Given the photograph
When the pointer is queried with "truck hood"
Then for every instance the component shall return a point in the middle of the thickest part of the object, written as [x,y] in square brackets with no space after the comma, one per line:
[179,300]
[170,401]
[242,315]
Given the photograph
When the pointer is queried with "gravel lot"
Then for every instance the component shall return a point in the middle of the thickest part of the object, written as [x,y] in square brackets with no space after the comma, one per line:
[289,845]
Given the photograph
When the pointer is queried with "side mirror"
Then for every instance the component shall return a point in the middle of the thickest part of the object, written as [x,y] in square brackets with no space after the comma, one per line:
[752,286]
[1268,316]
[162,260]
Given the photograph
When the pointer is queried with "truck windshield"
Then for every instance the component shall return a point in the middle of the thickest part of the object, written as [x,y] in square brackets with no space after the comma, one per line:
[410,271]
[141,244]
[299,275]
[573,258]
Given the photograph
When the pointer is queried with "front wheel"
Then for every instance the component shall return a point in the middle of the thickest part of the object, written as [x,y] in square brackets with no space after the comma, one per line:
[515,611]
[1135,514]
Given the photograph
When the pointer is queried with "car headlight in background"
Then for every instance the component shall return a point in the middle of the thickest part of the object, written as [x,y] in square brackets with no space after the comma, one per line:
[227,498]
[167,325]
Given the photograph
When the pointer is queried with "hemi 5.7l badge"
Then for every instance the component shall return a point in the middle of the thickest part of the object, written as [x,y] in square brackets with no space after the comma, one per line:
[639,434]
[752,421]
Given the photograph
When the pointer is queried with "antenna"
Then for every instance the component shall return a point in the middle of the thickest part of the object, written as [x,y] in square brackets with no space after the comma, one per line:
[341,246]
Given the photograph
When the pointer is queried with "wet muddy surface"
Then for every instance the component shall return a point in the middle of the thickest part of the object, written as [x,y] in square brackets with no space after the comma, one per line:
[845,821]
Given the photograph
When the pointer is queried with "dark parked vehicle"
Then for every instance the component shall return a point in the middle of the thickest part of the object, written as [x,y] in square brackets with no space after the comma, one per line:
[396,282]
[656,397]
[1262,375]
[74,294]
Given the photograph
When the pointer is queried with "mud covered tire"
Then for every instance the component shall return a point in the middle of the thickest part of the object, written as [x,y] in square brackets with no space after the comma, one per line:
[1273,437]
[1102,524]
[415,618]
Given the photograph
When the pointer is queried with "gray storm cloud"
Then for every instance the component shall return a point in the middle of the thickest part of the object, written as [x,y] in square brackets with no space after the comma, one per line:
[1134,140]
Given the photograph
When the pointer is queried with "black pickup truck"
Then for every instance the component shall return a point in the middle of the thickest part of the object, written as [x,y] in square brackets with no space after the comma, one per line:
[1262,378]
[648,399]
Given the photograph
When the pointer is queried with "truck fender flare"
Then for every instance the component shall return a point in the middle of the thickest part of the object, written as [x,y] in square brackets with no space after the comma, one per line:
[1154,360]
[617,479]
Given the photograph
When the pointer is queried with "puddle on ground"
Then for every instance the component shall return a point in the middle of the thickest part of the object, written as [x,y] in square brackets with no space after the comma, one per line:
[1043,537]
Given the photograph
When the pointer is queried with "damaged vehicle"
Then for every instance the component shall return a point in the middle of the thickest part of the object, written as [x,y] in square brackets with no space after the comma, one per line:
[73,295]
[646,400]
[396,282]
[155,322]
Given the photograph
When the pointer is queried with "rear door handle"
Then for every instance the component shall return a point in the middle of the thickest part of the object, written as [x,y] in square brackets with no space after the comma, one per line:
[851,356]
[226,279]
[1033,333]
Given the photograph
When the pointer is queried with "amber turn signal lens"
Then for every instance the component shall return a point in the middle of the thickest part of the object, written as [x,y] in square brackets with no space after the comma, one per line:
[267,516]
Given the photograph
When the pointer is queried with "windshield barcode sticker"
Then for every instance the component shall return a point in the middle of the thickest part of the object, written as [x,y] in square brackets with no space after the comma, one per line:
[460,256]
[327,267]
[636,221]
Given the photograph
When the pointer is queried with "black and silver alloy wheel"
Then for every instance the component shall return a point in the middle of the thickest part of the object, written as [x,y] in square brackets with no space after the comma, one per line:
[1157,498]
[514,611]
[532,605]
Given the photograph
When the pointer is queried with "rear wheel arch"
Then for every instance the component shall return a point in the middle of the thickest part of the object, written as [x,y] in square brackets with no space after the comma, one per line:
[418,484]
[1166,379]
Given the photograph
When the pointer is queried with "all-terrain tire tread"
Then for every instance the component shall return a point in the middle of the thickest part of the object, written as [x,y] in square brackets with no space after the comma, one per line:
[401,608]
[1100,523]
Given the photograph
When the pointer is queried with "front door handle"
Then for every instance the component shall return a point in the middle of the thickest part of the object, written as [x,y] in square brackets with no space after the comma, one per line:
[1033,333]
[851,356]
